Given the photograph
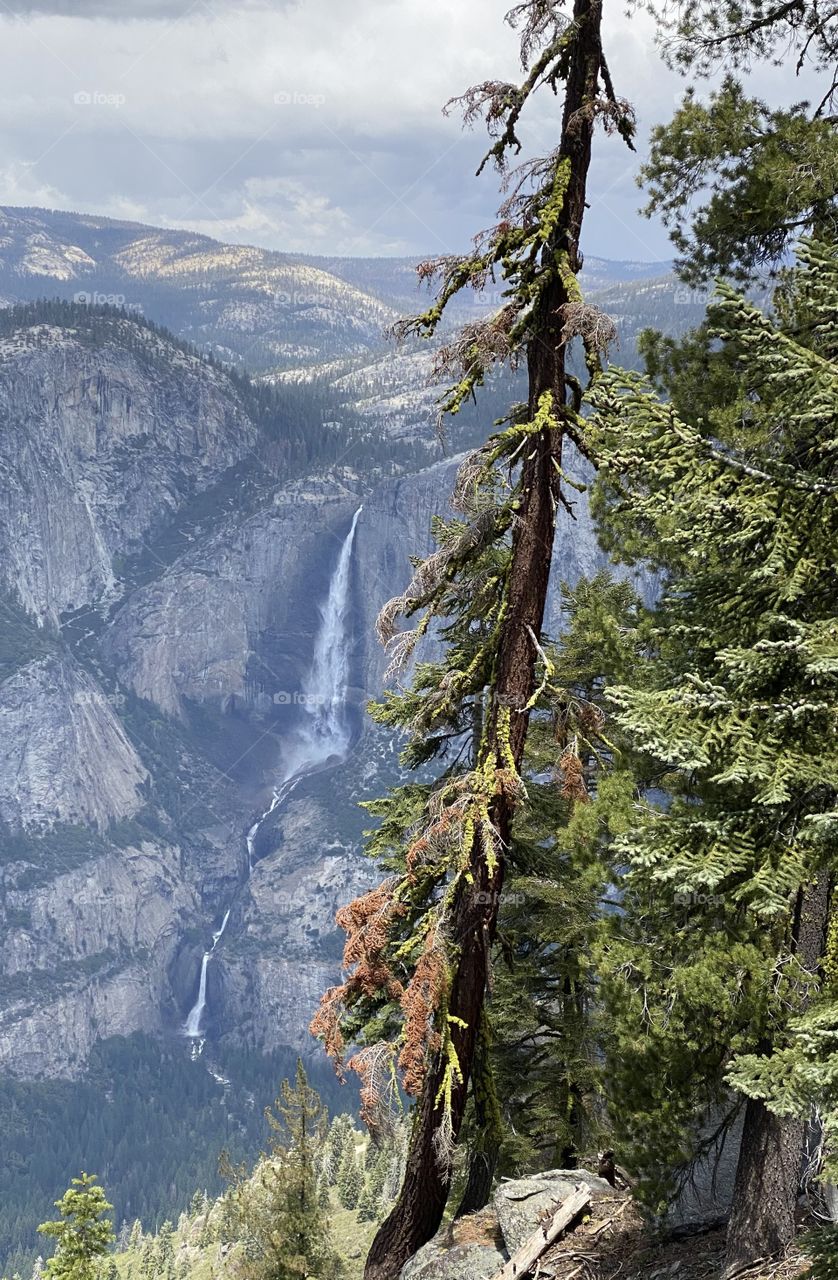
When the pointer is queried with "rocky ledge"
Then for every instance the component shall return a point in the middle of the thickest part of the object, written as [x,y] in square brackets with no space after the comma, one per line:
[477,1246]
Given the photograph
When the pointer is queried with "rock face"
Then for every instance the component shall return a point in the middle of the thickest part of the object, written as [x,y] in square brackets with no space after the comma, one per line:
[101,445]
[168,617]
[438,1261]
[64,756]
[285,950]
[520,1205]
[87,949]
[235,617]
[395,525]
[477,1247]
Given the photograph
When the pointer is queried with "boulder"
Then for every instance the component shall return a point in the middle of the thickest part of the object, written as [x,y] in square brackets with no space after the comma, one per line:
[471,1248]
[440,1261]
[521,1204]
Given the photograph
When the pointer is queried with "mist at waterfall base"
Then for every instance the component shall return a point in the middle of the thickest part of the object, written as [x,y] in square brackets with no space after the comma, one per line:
[320,739]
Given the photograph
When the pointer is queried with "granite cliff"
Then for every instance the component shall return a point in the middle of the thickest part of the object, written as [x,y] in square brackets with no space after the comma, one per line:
[166,547]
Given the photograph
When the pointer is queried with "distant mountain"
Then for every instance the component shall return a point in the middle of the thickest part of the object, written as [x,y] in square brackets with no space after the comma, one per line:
[270,312]
[393,280]
[250,306]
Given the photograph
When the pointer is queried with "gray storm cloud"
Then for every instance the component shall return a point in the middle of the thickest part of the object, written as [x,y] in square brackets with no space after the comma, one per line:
[124,10]
[287,125]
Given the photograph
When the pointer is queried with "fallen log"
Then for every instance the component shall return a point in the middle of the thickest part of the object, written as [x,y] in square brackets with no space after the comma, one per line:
[531,1250]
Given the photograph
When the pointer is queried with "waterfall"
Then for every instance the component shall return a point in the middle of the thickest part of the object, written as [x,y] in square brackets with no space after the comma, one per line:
[193,1022]
[323,733]
[192,1026]
[280,795]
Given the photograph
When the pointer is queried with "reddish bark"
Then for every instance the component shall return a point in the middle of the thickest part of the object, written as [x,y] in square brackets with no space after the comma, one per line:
[418,1212]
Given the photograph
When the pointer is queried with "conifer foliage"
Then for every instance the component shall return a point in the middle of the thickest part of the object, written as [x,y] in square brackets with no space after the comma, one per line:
[720,973]
[736,180]
[276,1211]
[418,950]
[82,1232]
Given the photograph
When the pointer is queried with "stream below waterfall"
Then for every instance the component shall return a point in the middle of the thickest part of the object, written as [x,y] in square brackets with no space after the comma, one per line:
[320,739]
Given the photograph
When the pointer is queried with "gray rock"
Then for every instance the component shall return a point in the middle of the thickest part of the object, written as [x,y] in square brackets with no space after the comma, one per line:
[708,1194]
[235,617]
[87,955]
[437,1261]
[64,756]
[100,446]
[520,1204]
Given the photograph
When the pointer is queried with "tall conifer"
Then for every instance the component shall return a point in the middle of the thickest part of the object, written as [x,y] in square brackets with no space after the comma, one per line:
[419,946]
[717,974]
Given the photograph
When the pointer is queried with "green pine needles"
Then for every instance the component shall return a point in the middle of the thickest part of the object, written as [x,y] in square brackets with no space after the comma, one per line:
[82,1232]
[716,973]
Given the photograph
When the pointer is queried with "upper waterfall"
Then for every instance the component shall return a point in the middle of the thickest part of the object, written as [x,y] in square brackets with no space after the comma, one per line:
[322,734]
[324,730]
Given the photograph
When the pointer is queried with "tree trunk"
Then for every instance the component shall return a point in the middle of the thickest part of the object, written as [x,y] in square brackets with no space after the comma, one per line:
[483,1156]
[770,1159]
[481,1174]
[417,1214]
[765,1190]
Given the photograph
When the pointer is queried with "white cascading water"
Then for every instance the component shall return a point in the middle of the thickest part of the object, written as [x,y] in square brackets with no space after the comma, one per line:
[280,794]
[323,734]
[324,731]
[192,1026]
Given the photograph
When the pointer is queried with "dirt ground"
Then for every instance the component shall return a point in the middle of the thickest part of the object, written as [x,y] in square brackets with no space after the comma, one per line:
[614,1243]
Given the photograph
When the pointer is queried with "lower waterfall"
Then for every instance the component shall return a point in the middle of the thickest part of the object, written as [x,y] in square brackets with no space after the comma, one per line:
[322,737]
[192,1026]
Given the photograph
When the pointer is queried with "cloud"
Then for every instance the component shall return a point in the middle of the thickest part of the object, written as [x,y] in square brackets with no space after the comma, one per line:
[129,10]
[287,124]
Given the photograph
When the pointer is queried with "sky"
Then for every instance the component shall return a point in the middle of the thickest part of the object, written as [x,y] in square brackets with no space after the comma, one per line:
[300,125]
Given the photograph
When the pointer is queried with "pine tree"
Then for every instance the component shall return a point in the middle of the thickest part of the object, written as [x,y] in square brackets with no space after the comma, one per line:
[350,1180]
[165,1244]
[736,181]
[340,1136]
[371,1200]
[148,1259]
[82,1233]
[198,1204]
[822,1248]
[278,1214]
[419,946]
[716,974]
